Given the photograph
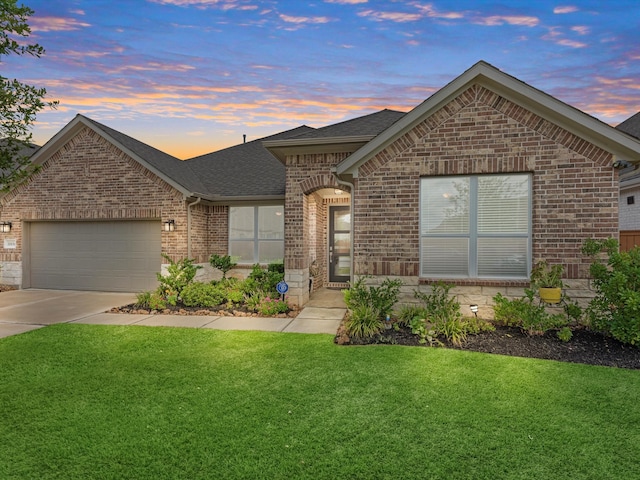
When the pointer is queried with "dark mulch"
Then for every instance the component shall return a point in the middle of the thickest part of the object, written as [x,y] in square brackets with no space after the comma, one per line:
[7,288]
[584,347]
[221,310]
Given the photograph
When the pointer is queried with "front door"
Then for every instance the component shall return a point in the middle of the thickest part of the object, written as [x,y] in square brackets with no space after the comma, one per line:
[339,244]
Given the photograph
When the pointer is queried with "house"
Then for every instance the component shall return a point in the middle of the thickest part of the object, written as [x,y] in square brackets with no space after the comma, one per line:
[472,186]
[630,192]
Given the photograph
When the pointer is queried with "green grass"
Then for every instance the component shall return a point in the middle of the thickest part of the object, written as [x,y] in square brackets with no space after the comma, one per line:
[98,402]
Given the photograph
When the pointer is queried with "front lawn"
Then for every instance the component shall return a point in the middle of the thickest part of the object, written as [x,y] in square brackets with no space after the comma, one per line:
[86,401]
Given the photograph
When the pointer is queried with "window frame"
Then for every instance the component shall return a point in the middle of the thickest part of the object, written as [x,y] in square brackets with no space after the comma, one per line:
[256,239]
[473,234]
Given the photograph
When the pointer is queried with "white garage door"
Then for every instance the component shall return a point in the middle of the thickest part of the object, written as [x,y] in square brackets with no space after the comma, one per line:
[118,256]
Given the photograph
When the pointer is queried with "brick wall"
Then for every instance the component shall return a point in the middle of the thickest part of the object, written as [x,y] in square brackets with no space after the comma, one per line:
[91,179]
[575,190]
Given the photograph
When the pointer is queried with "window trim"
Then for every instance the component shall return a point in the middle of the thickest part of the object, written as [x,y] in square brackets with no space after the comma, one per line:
[473,234]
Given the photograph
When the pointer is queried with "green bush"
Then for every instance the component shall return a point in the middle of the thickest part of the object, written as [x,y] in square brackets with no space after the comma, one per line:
[179,275]
[407,313]
[198,294]
[262,282]
[157,302]
[615,310]
[525,314]
[143,299]
[363,321]
[381,299]
[223,263]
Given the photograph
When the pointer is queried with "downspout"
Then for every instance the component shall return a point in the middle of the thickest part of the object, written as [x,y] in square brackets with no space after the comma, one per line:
[352,190]
[189,225]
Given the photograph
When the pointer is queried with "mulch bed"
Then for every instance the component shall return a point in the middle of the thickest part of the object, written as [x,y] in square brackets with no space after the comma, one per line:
[7,288]
[585,346]
[236,311]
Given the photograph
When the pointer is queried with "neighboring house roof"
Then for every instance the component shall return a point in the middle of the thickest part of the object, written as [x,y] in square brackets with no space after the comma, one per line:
[573,120]
[631,125]
[245,170]
[631,177]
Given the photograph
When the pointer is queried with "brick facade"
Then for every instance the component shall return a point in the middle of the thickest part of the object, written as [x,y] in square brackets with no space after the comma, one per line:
[575,191]
[91,179]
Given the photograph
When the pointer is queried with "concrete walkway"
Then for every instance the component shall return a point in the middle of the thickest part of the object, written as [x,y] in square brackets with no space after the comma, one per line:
[26,310]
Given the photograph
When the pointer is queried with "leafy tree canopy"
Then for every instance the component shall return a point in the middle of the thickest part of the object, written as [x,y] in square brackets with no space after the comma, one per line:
[19,102]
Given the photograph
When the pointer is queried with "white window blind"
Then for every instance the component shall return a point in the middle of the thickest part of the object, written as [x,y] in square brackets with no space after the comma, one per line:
[475,226]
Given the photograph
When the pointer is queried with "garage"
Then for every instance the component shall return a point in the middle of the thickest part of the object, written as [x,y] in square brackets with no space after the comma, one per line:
[118,256]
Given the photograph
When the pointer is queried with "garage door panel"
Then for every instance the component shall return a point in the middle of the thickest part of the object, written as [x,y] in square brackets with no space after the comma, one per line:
[111,256]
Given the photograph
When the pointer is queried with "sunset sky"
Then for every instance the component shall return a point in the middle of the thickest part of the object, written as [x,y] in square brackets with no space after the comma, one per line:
[192,76]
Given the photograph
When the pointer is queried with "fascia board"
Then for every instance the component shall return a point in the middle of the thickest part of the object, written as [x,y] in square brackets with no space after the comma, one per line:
[621,145]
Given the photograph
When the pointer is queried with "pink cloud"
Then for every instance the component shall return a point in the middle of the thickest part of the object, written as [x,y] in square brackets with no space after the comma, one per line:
[303,20]
[346,2]
[399,17]
[565,9]
[56,24]
[497,20]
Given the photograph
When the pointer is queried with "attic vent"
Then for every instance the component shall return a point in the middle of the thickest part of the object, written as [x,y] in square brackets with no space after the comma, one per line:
[631,200]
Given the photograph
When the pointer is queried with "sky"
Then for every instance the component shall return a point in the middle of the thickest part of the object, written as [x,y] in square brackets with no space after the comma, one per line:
[193,76]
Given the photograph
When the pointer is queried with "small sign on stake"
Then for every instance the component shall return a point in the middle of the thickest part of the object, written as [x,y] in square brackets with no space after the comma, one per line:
[282,288]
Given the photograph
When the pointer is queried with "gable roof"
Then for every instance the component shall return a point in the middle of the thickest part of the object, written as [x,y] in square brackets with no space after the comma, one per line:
[538,102]
[245,170]
[631,125]
[168,168]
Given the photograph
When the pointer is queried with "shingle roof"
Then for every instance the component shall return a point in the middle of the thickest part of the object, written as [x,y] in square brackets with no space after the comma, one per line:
[169,165]
[244,170]
[371,124]
[631,125]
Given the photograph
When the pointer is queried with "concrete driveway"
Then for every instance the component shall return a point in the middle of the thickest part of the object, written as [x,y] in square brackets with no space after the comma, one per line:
[24,310]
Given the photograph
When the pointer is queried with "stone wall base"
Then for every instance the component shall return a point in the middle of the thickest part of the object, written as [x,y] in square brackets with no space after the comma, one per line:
[11,273]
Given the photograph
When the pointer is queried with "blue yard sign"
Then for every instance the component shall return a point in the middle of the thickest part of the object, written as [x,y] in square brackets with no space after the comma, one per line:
[282,287]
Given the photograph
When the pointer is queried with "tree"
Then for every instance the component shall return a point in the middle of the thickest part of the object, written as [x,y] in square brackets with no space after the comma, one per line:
[19,102]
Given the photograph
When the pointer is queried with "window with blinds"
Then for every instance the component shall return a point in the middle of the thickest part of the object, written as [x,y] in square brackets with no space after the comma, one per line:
[256,234]
[475,226]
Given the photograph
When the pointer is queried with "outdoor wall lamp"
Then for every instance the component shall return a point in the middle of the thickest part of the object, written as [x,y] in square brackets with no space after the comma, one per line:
[618,164]
[474,309]
[169,225]
[5,227]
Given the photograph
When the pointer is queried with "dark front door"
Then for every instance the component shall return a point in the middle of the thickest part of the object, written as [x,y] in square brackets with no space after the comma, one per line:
[339,244]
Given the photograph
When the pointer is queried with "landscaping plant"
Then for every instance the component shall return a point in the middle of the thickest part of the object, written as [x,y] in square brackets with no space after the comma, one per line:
[179,275]
[526,314]
[223,263]
[369,306]
[615,310]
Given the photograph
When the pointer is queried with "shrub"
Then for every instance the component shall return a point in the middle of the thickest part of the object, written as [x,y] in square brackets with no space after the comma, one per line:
[439,302]
[615,310]
[381,299]
[263,281]
[198,294]
[143,299]
[179,275]
[525,314]
[157,302]
[363,321]
[223,263]
[272,306]
[407,313]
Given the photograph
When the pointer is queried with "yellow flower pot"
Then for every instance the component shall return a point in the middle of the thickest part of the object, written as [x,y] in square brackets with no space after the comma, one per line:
[551,295]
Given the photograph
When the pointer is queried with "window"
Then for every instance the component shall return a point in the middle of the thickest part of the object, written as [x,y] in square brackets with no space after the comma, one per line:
[256,234]
[475,226]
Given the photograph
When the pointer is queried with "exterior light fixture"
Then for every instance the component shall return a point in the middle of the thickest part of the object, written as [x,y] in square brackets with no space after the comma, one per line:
[474,309]
[5,227]
[169,225]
